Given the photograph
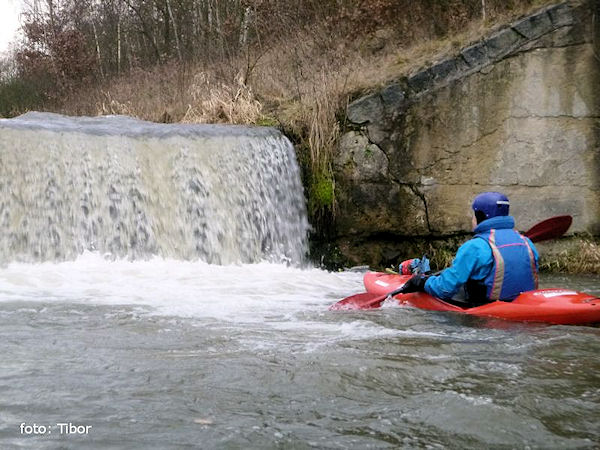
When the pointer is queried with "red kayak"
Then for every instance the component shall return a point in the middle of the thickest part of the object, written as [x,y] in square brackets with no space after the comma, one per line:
[557,306]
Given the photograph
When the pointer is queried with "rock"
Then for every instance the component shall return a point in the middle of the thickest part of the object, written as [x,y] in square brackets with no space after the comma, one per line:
[380,208]
[476,55]
[359,160]
[393,97]
[502,43]
[378,133]
[443,70]
[561,15]
[203,421]
[421,81]
[366,109]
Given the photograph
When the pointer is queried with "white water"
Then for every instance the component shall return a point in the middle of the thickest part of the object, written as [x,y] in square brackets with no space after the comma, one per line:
[186,221]
[240,293]
[162,354]
[221,194]
[266,295]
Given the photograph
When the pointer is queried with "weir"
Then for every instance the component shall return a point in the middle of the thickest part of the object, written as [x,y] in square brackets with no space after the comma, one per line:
[133,189]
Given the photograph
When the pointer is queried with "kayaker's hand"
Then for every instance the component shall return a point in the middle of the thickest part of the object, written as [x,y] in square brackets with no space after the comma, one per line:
[415,284]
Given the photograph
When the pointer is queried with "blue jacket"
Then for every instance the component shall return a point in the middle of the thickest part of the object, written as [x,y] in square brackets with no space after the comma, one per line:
[475,261]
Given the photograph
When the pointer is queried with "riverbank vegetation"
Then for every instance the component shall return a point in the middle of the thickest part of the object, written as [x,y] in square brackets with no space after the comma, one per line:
[574,255]
[290,64]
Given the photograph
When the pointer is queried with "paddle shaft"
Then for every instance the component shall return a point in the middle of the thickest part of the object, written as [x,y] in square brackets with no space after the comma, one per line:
[382,298]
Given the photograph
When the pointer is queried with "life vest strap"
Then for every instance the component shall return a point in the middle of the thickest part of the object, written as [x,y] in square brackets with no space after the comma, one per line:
[531,262]
[499,269]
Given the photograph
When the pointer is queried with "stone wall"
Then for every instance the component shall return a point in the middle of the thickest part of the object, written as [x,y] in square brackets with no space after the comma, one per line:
[518,112]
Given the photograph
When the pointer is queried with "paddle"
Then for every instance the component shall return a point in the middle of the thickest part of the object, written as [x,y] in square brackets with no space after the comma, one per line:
[366,300]
[551,228]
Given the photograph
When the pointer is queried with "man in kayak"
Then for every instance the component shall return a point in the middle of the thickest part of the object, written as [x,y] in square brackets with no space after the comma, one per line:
[497,264]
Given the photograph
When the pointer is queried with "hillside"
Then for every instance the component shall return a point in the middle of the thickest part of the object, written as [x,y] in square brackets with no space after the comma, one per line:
[293,65]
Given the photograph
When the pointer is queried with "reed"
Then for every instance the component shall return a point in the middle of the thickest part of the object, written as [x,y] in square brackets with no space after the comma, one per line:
[581,256]
[211,102]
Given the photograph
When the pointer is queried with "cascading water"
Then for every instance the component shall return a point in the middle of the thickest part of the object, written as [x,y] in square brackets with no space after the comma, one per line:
[129,188]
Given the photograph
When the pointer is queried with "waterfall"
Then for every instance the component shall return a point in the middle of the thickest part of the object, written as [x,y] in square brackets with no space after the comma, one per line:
[134,189]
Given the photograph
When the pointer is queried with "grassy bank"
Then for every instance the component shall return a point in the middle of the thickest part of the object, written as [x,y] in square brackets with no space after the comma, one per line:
[571,255]
[300,83]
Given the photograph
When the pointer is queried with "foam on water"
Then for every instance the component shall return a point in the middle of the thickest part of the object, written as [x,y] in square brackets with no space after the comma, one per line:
[290,302]
[184,288]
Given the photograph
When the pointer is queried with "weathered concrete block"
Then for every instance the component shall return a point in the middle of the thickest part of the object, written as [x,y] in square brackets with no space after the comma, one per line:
[561,15]
[535,26]
[521,116]
[502,43]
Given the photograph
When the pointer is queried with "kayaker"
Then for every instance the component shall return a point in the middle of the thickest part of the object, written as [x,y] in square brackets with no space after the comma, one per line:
[497,264]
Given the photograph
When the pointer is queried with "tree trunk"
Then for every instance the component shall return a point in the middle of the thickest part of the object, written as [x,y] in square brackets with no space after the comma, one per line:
[119,46]
[174,30]
[483,15]
[146,32]
[209,15]
[245,26]
[130,50]
[50,4]
[98,49]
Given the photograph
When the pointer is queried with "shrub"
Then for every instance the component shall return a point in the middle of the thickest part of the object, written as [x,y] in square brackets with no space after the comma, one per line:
[17,96]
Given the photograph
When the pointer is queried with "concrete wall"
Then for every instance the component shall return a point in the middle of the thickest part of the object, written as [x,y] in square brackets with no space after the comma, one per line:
[517,112]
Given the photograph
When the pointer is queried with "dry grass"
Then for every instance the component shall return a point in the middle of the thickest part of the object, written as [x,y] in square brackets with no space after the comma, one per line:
[159,94]
[589,257]
[582,257]
[298,82]
[221,102]
[295,73]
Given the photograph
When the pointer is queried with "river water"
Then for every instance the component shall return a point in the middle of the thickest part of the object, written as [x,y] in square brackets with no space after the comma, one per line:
[152,296]
[163,354]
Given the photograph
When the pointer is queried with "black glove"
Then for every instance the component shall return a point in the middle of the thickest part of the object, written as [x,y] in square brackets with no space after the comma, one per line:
[415,284]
